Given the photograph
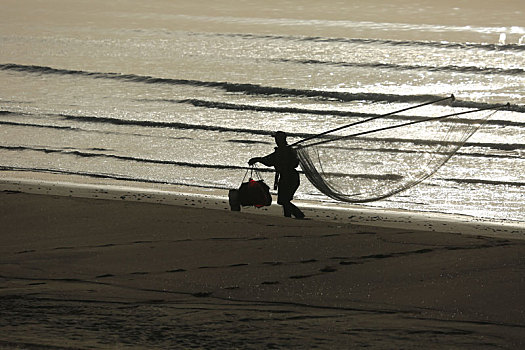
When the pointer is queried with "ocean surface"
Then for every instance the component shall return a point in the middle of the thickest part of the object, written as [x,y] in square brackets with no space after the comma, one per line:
[185,92]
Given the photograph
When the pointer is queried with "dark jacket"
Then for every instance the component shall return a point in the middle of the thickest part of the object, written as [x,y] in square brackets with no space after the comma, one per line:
[283,159]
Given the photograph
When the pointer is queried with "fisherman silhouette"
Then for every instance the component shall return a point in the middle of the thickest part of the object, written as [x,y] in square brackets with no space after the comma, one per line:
[284,160]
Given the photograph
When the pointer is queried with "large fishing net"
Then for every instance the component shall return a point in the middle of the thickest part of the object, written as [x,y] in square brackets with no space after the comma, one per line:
[375,160]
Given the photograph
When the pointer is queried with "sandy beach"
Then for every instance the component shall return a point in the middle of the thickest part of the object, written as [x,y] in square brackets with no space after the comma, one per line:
[79,273]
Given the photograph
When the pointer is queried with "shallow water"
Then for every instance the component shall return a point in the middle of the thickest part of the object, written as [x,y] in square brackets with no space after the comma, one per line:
[187,92]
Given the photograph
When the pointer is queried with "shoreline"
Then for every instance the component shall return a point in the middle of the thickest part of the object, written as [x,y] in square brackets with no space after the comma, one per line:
[71,186]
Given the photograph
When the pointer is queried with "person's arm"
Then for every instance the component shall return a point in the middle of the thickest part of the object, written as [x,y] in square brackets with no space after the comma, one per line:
[254,160]
[267,160]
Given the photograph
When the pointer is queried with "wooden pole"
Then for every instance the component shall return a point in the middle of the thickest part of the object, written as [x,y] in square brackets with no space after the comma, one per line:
[451,97]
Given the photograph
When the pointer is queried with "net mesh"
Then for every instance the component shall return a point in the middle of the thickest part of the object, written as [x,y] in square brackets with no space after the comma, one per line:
[369,165]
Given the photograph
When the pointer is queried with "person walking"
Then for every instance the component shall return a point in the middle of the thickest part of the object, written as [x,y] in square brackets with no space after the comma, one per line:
[284,160]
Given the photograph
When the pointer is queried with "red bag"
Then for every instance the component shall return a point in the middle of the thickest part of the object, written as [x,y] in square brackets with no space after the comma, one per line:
[253,192]
[256,193]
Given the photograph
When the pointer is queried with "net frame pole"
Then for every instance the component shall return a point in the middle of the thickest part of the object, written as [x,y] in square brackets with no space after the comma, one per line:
[451,97]
[404,124]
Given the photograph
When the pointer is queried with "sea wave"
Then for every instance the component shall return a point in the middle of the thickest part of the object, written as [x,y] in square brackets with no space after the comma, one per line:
[109,176]
[389,177]
[491,145]
[506,152]
[147,180]
[253,89]
[146,123]
[365,41]
[505,147]
[4,122]
[485,182]
[398,67]
[259,108]
[85,154]
[7,113]
[365,26]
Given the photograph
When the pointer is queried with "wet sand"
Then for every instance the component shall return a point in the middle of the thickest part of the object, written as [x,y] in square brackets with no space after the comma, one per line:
[95,273]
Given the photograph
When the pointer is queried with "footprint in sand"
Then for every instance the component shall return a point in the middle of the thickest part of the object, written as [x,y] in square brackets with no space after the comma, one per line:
[232,287]
[175,270]
[308,261]
[296,277]
[26,251]
[328,269]
[325,269]
[237,265]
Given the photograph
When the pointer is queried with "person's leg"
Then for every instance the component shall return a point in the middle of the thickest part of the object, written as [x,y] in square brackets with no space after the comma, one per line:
[287,209]
[288,184]
[284,197]
[296,211]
